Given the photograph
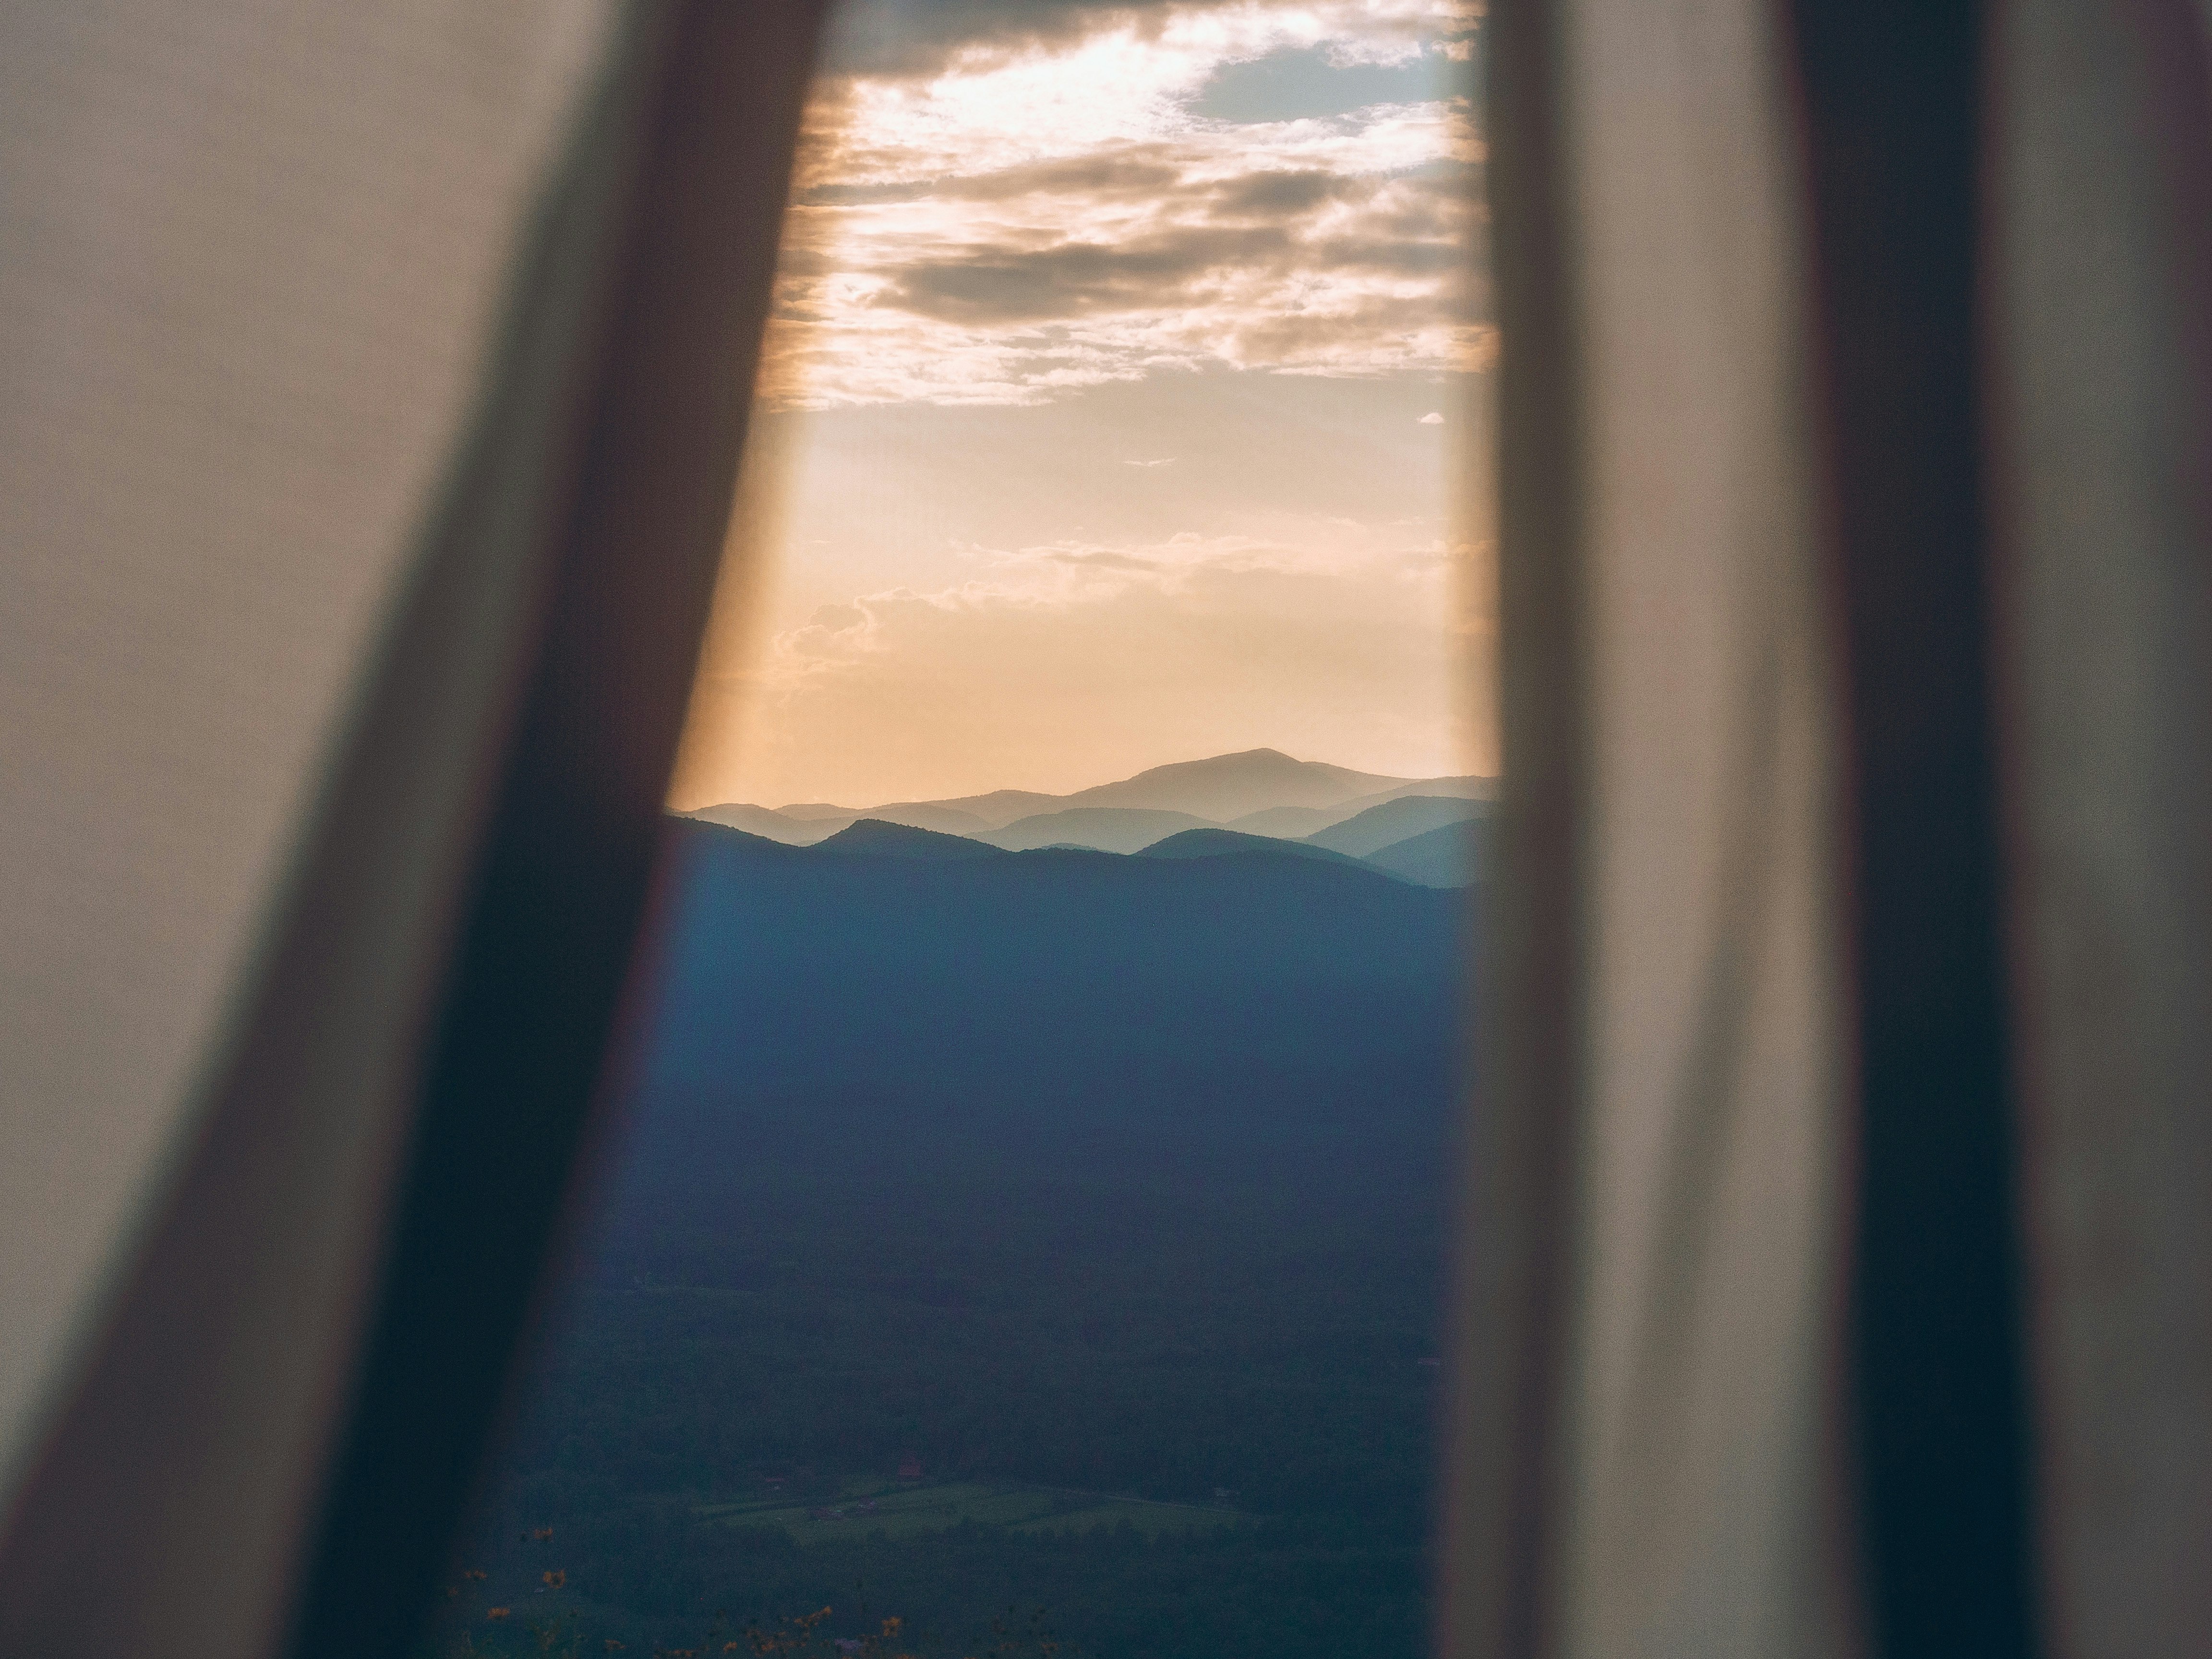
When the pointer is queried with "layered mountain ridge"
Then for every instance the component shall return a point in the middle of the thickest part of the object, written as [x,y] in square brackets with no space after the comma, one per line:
[1253,802]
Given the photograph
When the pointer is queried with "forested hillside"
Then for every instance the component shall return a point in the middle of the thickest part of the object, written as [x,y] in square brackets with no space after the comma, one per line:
[1052,1229]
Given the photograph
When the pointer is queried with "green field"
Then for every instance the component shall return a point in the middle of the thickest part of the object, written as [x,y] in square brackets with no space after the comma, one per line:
[901,1512]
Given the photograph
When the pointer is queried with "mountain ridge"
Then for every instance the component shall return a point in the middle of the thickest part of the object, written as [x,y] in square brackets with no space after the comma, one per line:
[1444,856]
[1255,792]
[1396,820]
[1209,843]
[1449,855]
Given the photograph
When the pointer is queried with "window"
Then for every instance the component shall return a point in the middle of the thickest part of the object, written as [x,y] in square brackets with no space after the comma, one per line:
[1030,1223]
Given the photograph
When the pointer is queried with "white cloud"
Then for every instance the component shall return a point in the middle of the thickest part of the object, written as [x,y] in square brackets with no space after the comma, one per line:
[1017,225]
[1021,202]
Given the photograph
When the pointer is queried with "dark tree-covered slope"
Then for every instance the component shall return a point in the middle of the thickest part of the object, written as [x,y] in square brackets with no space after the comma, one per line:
[1040,1169]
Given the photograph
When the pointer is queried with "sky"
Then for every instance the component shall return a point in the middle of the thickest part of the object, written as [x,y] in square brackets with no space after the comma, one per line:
[1123,403]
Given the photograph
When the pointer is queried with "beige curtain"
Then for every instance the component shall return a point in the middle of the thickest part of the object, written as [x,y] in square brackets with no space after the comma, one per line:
[350,353]
[1665,1315]
[1671,754]
[2100,263]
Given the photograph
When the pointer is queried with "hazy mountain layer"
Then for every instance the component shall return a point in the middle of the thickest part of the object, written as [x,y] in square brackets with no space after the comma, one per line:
[1225,843]
[1285,823]
[1106,829]
[874,838]
[1260,792]
[1230,785]
[1305,822]
[802,826]
[1378,827]
[766,821]
[1449,855]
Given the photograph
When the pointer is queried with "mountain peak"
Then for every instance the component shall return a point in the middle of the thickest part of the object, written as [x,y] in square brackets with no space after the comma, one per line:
[1224,787]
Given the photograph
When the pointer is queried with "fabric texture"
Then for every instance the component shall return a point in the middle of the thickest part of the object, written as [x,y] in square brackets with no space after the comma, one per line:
[363,567]
[1701,1510]
[1671,703]
[1782,399]
[253,258]
[2101,356]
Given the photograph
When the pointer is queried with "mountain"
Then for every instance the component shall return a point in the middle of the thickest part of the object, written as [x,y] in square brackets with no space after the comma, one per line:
[941,816]
[930,815]
[1447,856]
[994,811]
[810,821]
[1230,785]
[1222,843]
[1306,823]
[1472,786]
[765,821]
[1260,792]
[966,815]
[1287,822]
[813,811]
[895,1010]
[1394,820]
[1108,829]
[874,838]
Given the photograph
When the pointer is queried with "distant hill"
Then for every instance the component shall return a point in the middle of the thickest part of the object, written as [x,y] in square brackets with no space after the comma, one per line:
[1472,786]
[994,811]
[945,819]
[1394,820]
[1108,829]
[1305,822]
[927,815]
[1287,822]
[1253,1004]
[1230,785]
[765,821]
[803,826]
[810,811]
[874,838]
[1260,792]
[1447,856]
[1220,843]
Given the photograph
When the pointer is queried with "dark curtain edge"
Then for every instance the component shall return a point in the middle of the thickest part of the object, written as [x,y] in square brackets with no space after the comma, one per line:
[532,1020]
[600,466]
[1942,1465]
[1500,1458]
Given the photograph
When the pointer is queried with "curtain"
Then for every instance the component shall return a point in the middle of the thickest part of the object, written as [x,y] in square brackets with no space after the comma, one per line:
[2100,356]
[1832,1276]
[376,377]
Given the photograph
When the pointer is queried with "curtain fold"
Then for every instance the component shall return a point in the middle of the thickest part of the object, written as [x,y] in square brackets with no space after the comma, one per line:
[1834,1267]
[1671,754]
[2099,355]
[283,1376]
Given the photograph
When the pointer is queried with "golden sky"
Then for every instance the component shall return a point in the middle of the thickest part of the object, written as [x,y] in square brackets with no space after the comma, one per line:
[1119,406]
